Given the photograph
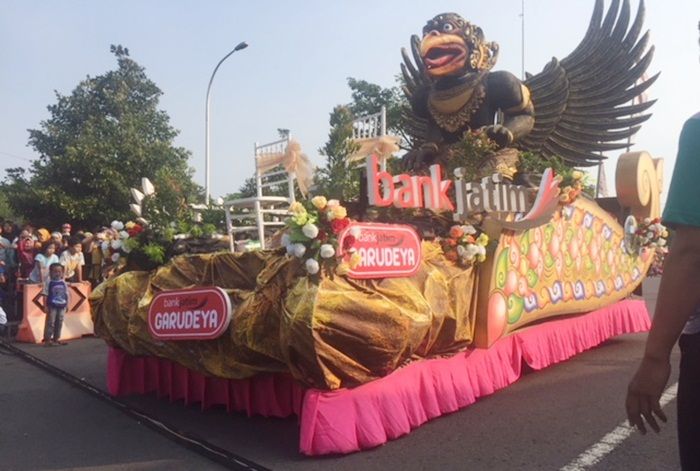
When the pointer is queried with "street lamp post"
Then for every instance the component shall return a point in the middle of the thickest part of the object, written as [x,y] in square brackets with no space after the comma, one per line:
[240,46]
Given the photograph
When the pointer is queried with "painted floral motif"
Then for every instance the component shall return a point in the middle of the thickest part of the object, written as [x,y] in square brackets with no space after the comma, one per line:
[577,256]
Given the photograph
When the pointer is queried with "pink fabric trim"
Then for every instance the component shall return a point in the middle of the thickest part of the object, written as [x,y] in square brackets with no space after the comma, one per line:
[349,420]
[266,394]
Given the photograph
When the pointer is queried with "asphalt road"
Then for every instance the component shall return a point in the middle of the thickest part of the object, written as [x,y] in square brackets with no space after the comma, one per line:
[542,422]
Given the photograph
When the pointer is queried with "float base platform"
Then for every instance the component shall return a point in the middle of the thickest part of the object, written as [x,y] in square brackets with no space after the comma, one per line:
[348,420]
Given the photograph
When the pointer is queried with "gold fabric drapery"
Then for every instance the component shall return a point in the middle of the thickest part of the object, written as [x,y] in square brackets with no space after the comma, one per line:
[338,333]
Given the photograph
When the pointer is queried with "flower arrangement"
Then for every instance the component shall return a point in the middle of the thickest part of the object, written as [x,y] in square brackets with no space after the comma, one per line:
[571,185]
[651,233]
[465,245]
[313,236]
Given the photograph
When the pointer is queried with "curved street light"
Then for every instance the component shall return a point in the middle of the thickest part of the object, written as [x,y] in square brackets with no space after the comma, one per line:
[238,47]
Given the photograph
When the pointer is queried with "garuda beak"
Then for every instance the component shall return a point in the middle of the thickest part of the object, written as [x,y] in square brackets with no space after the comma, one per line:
[443,54]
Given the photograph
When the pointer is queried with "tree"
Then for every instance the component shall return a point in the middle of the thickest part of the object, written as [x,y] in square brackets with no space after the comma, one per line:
[335,180]
[368,98]
[98,142]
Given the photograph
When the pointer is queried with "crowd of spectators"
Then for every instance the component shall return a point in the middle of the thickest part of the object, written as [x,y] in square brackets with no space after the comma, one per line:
[27,253]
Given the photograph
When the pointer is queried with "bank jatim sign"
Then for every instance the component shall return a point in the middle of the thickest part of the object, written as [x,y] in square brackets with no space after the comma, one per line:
[386,250]
[189,314]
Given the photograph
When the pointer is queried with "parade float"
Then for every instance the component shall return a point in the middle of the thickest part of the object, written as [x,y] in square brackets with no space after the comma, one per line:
[445,282]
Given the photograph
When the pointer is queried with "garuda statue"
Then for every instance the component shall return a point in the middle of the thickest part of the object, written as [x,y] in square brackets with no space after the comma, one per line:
[574,109]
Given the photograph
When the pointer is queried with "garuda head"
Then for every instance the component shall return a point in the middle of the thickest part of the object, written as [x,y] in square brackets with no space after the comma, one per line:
[451,46]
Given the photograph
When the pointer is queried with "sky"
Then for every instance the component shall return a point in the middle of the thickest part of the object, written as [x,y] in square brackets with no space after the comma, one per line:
[296,67]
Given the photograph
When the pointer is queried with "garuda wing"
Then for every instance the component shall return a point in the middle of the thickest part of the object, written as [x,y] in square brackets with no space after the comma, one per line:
[582,103]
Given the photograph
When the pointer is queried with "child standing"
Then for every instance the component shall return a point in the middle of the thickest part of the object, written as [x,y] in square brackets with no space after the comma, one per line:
[73,261]
[57,297]
[42,262]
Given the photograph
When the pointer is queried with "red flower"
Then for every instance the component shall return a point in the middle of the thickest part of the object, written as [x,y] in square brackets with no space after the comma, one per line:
[322,235]
[349,241]
[339,224]
[135,230]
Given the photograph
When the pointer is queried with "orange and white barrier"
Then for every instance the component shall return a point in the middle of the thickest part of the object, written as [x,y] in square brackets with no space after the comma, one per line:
[76,323]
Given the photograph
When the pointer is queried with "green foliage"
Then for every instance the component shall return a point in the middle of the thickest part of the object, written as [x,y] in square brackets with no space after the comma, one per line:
[216,217]
[155,252]
[96,144]
[335,180]
[531,162]
[469,153]
[6,211]
[208,229]
[368,98]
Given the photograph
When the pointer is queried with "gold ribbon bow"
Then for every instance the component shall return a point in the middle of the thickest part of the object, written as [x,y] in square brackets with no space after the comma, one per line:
[293,160]
[383,147]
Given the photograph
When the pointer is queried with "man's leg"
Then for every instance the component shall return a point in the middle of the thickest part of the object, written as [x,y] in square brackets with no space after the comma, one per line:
[689,402]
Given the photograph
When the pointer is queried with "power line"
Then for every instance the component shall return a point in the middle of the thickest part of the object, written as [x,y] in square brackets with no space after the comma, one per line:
[14,156]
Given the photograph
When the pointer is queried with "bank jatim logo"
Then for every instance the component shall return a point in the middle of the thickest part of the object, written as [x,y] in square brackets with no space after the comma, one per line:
[189,314]
[386,250]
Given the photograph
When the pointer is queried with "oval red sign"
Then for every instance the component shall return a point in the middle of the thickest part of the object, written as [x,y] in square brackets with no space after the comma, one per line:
[189,314]
[386,250]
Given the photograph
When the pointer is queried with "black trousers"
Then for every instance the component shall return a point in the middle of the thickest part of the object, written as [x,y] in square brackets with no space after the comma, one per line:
[688,402]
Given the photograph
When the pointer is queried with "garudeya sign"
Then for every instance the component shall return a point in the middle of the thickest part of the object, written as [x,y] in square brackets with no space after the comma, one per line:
[201,313]
[492,195]
[385,250]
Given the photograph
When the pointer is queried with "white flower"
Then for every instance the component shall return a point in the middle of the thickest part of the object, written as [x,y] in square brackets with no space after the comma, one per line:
[310,230]
[662,242]
[330,214]
[117,225]
[116,244]
[115,257]
[123,235]
[285,240]
[472,250]
[332,204]
[480,250]
[136,209]
[468,229]
[327,251]
[299,250]
[105,246]
[647,221]
[312,266]
[461,251]
[290,249]
[355,231]
[137,195]
[147,186]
